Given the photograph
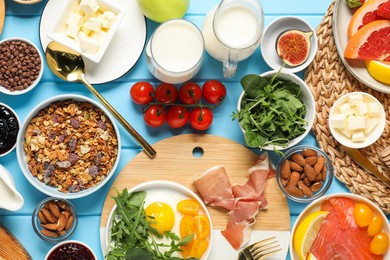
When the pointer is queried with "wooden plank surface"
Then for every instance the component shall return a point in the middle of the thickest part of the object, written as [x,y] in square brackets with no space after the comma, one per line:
[2,14]
[175,161]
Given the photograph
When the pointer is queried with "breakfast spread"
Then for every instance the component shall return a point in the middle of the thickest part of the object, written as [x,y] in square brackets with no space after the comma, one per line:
[89,24]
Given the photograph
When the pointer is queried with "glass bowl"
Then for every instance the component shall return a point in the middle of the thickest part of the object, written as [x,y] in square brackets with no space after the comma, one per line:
[52,219]
[296,188]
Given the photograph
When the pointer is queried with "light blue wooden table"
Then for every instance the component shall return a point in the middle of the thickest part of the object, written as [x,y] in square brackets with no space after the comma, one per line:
[23,21]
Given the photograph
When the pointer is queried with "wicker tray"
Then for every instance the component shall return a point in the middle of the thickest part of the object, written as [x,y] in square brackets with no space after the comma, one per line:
[329,79]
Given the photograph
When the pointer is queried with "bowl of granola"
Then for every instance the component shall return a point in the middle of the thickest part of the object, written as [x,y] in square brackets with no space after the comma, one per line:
[68,146]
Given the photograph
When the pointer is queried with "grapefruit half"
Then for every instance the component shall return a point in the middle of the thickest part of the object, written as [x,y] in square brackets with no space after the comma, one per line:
[364,15]
[371,42]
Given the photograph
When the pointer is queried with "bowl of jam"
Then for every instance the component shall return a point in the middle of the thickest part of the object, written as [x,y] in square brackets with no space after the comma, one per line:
[71,249]
[9,128]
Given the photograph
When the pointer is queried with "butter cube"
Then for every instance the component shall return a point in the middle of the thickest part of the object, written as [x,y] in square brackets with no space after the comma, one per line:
[374,110]
[76,19]
[355,99]
[356,122]
[346,109]
[72,30]
[87,44]
[358,136]
[93,24]
[371,123]
[89,7]
[108,19]
[361,109]
[338,120]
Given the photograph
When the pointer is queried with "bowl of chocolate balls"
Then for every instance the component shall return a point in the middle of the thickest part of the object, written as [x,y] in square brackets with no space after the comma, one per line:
[21,66]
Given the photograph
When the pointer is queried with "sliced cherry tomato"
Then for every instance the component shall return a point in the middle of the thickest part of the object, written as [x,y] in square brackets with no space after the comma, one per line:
[214,91]
[187,228]
[188,207]
[198,248]
[154,116]
[166,93]
[362,214]
[177,116]
[379,244]
[201,118]
[375,226]
[142,93]
[202,226]
[190,93]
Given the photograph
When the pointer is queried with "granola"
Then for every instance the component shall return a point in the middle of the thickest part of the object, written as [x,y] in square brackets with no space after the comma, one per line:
[70,145]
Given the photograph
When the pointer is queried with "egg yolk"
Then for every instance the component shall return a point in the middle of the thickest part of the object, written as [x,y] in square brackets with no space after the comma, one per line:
[161,216]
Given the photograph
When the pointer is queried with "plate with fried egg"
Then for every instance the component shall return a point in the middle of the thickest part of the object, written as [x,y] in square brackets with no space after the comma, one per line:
[168,207]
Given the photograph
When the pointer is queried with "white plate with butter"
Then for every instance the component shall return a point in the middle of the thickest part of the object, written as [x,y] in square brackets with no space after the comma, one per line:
[123,51]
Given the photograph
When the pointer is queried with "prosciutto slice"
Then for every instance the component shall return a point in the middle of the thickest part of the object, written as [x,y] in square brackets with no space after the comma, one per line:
[243,201]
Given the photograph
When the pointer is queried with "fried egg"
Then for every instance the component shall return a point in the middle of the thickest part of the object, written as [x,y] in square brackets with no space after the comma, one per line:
[161,216]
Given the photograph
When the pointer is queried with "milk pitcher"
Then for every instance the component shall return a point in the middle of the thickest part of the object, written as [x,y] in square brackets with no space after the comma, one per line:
[232,32]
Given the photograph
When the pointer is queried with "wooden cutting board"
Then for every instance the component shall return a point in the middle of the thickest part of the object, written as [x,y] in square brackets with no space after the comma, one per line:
[2,15]
[175,161]
[10,247]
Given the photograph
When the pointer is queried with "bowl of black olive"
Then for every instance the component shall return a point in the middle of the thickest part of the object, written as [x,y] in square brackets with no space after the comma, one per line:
[9,128]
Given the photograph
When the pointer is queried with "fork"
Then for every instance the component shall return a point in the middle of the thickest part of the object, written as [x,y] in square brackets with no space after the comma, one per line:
[260,250]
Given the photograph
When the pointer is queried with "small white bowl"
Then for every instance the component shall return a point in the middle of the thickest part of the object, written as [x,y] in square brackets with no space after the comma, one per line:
[57,32]
[27,2]
[372,137]
[18,122]
[271,34]
[37,80]
[316,205]
[41,186]
[91,254]
[306,97]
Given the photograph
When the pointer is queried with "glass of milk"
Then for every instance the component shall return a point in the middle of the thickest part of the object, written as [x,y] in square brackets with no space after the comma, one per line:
[174,53]
[232,32]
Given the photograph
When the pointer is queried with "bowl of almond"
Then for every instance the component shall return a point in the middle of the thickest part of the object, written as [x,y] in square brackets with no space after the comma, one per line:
[304,173]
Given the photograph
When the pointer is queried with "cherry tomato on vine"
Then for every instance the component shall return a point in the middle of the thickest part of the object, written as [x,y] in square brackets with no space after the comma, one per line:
[142,93]
[166,93]
[190,93]
[201,118]
[154,116]
[213,91]
[177,116]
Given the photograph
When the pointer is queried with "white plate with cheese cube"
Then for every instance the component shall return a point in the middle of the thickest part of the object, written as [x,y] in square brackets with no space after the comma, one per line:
[110,36]
[357,120]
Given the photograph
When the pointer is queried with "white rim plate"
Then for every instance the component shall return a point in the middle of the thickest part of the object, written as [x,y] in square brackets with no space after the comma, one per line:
[125,48]
[341,16]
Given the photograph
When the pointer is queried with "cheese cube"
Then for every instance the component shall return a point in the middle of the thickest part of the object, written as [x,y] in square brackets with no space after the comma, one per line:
[108,19]
[72,30]
[355,99]
[93,24]
[374,110]
[346,132]
[87,44]
[89,7]
[76,19]
[85,30]
[361,109]
[338,120]
[99,36]
[358,136]
[356,122]
[346,109]
[371,123]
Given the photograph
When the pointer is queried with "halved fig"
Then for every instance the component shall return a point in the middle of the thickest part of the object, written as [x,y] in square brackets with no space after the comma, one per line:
[293,47]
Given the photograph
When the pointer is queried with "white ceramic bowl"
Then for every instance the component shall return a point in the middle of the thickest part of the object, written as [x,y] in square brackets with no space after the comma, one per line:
[271,34]
[18,121]
[37,80]
[170,193]
[371,137]
[316,205]
[92,254]
[41,186]
[27,2]
[306,97]
[57,32]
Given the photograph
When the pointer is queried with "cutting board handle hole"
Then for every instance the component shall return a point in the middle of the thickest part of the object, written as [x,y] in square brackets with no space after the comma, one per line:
[197,152]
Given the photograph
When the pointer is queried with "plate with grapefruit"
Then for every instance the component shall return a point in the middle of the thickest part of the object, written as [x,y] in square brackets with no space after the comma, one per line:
[362,37]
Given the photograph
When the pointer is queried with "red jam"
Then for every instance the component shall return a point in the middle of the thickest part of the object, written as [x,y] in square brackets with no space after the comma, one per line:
[71,251]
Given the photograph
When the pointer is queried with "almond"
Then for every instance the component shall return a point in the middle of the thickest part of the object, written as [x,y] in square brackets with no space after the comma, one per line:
[50,226]
[311,160]
[286,171]
[69,223]
[316,186]
[295,167]
[296,157]
[54,209]
[308,152]
[319,164]
[61,222]
[48,233]
[294,191]
[306,190]
[310,173]
[294,178]
[42,217]
[48,215]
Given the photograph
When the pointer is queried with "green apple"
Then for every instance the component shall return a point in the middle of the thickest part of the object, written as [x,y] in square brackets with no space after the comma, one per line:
[163,10]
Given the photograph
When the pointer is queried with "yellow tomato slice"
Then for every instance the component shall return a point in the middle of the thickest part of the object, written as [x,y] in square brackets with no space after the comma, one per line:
[187,226]
[188,207]
[202,226]
[198,248]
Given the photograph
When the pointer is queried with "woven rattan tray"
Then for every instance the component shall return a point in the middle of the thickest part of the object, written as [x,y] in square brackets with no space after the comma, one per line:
[329,79]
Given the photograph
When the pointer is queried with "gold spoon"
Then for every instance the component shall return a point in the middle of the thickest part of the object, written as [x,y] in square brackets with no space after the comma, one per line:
[69,66]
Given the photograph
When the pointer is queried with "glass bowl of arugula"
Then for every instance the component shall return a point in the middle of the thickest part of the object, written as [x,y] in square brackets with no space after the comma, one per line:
[275,111]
